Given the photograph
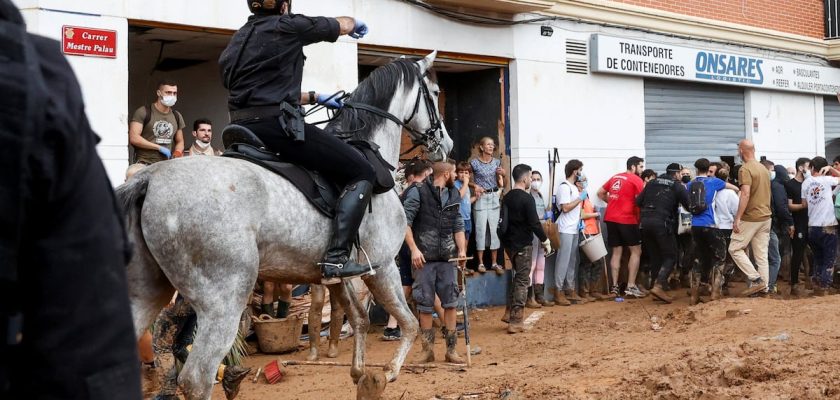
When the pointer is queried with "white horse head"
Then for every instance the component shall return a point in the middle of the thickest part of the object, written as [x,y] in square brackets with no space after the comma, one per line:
[425,119]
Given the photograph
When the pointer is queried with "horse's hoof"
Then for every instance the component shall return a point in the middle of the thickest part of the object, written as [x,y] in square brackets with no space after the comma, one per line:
[332,352]
[232,378]
[371,385]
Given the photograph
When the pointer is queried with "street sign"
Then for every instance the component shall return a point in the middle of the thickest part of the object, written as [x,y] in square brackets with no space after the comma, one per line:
[81,41]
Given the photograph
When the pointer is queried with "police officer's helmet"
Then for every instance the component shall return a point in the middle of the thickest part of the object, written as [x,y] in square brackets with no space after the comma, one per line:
[267,6]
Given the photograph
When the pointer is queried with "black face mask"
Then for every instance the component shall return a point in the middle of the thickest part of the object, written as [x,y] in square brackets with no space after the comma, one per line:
[686,179]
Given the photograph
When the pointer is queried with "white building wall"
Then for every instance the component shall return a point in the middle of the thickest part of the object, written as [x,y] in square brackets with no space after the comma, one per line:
[790,125]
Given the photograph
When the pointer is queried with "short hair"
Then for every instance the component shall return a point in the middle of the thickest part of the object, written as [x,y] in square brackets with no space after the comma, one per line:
[201,121]
[702,165]
[572,166]
[634,161]
[464,166]
[416,167]
[167,82]
[767,163]
[722,174]
[836,159]
[818,163]
[441,167]
[716,164]
[801,161]
[536,172]
[648,173]
[521,172]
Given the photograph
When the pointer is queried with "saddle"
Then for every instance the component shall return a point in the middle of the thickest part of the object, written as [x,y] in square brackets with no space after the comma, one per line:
[241,143]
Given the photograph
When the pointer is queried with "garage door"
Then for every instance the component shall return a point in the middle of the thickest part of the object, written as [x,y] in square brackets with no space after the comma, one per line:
[686,121]
[831,111]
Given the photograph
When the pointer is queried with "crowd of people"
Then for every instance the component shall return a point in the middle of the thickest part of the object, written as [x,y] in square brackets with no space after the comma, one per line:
[681,227]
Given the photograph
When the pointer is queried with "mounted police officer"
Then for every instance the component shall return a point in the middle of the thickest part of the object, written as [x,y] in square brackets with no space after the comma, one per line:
[65,319]
[262,67]
[659,203]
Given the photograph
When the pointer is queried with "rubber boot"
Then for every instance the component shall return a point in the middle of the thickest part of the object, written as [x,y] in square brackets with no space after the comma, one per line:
[506,316]
[516,325]
[349,212]
[717,284]
[660,294]
[282,309]
[593,293]
[231,379]
[427,339]
[584,292]
[268,309]
[695,288]
[531,303]
[452,354]
[559,297]
[539,295]
[571,295]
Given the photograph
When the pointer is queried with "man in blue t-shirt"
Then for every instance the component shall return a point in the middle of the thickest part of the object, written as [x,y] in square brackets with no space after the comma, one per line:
[709,242]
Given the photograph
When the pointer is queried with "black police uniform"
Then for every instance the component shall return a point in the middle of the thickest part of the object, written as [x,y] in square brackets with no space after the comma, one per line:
[659,203]
[262,67]
[66,322]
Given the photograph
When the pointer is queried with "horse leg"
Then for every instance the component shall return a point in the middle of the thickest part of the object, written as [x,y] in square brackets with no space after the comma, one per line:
[336,323]
[346,294]
[386,288]
[317,293]
[148,288]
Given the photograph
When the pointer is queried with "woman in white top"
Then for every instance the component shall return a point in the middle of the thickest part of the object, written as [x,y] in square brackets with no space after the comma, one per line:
[726,205]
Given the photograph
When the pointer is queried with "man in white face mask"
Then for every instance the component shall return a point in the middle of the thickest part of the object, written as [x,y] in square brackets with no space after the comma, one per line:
[156,131]
[203,135]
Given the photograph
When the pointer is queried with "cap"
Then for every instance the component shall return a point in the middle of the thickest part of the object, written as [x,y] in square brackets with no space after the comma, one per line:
[673,167]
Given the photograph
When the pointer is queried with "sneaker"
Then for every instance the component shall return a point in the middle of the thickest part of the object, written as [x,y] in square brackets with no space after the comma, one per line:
[499,270]
[391,334]
[755,286]
[615,291]
[634,291]
[481,268]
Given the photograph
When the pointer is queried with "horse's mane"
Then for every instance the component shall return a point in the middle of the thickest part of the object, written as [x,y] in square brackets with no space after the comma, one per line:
[377,90]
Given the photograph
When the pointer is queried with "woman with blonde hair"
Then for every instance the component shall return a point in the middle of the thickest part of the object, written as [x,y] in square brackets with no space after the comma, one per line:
[489,177]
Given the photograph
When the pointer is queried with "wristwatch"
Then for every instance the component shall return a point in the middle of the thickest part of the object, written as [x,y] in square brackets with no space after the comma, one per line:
[311,97]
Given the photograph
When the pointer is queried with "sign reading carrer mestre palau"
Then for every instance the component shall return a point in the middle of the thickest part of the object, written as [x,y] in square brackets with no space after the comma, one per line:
[641,58]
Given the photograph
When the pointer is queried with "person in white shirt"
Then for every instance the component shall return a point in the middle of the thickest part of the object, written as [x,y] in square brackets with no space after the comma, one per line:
[822,222]
[569,200]
[726,205]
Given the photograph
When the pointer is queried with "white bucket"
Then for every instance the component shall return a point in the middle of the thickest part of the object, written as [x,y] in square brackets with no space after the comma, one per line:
[594,247]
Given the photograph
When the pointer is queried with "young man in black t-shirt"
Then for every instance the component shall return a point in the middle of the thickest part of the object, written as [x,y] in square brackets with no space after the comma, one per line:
[793,188]
[522,224]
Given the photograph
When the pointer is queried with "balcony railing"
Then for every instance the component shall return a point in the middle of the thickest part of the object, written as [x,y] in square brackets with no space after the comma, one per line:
[832,19]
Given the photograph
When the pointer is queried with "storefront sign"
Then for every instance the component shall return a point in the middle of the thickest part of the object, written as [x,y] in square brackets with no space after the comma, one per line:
[81,41]
[641,58]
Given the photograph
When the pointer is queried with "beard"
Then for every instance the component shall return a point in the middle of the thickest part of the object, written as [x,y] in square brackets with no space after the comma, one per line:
[450,183]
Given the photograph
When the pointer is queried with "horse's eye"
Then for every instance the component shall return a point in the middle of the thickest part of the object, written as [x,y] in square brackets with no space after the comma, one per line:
[436,93]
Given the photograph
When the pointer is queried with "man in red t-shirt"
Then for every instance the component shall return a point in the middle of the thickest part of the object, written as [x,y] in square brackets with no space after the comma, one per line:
[622,219]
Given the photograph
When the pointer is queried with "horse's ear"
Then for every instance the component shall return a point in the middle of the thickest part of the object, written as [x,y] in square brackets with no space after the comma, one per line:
[427,62]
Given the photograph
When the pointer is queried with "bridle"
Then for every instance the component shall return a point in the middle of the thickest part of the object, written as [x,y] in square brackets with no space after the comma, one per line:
[432,137]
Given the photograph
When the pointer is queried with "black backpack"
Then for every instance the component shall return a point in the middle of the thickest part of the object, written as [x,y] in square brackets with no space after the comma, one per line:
[504,222]
[697,197]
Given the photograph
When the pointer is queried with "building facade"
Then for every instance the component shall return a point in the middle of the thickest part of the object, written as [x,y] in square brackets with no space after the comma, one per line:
[600,80]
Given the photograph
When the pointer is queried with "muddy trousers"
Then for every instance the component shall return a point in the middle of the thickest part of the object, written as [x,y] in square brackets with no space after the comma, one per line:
[797,258]
[710,251]
[174,329]
[662,244]
[517,292]
[823,242]
[774,257]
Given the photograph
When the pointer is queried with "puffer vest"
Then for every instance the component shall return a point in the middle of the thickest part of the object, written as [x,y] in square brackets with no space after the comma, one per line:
[434,223]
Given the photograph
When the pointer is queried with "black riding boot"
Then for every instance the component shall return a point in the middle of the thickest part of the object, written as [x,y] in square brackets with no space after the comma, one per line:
[349,212]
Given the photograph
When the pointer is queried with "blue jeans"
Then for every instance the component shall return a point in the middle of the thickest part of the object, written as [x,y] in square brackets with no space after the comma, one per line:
[773,258]
[823,242]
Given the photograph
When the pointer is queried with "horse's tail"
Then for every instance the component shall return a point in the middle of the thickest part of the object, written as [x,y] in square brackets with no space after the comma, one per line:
[130,196]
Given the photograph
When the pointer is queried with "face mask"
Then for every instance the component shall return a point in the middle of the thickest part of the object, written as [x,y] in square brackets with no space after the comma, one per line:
[201,145]
[685,179]
[791,176]
[807,173]
[168,101]
[535,185]
[772,175]
[585,184]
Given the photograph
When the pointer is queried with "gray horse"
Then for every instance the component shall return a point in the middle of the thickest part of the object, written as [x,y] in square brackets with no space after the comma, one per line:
[211,235]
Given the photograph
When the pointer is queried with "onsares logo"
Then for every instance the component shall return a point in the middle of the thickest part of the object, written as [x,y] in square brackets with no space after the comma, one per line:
[729,68]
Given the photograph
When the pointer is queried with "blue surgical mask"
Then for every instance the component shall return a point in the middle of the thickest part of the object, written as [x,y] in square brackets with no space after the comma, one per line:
[807,173]
[772,175]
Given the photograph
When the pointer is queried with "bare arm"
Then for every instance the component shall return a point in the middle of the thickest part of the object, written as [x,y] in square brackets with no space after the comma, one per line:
[135,138]
[733,187]
[743,199]
[417,259]
[179,142]
[602,194]
[795,207]
[571,205]
[346,25]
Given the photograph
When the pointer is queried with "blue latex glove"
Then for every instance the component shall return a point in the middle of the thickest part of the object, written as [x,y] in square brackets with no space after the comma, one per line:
[584,195]
[359,30]
[581,225]
[549,215]
[330,102]
[165,151]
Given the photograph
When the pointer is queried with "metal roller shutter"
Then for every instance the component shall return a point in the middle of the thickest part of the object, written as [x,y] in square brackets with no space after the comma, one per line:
[831,113]
[686,121]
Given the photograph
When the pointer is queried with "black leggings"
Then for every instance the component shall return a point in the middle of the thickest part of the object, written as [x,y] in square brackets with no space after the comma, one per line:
[798,243]
[336,160]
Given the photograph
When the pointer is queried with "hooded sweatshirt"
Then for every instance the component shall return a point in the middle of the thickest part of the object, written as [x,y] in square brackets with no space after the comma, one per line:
[781,214]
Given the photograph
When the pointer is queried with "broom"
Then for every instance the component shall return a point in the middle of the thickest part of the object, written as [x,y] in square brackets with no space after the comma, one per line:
[272,372]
